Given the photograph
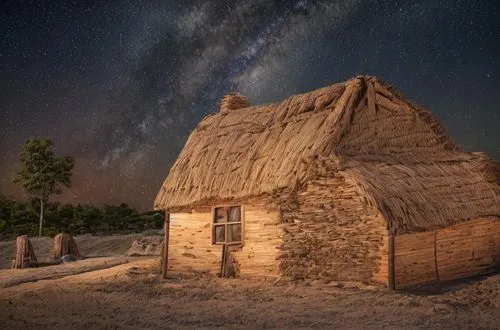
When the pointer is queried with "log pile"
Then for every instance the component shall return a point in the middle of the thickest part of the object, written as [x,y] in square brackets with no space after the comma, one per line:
[25,255]
[65,244]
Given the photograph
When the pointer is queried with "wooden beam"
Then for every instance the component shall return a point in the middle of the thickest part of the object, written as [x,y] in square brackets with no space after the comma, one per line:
[392,277]
[223,261]
[166,227]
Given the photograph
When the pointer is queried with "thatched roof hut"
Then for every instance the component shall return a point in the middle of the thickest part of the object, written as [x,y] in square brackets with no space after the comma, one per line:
[359,146]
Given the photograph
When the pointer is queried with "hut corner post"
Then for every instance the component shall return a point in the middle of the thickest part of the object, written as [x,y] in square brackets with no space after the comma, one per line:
[392,277]
[435,256]
[166,228]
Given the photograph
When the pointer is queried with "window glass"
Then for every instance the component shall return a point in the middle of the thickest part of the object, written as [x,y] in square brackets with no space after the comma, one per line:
[220,235]
[234,214]
[227,225]
[234,233]
[220,215]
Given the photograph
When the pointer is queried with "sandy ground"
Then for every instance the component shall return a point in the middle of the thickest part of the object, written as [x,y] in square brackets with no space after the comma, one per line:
[111,291]
[132,296]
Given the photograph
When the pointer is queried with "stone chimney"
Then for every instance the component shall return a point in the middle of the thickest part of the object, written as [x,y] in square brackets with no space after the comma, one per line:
[233,101]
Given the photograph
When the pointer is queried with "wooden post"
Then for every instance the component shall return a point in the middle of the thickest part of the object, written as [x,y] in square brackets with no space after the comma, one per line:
[224,259]
[435,255]
[166,227]
[392,273]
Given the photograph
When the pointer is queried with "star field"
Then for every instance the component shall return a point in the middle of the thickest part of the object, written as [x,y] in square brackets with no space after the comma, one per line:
[120,84]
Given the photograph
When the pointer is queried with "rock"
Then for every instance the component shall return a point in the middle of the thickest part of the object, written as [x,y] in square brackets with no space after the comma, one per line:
[68,258]
[442,309]
[146,246]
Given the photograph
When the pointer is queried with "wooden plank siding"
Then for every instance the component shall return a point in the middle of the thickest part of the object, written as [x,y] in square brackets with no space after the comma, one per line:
[468,248]
[191,248]
[263,235]
[190,245]
[458,251]
[414,261]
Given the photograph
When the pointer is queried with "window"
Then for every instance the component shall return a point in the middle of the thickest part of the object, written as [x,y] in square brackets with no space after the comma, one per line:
[226,227]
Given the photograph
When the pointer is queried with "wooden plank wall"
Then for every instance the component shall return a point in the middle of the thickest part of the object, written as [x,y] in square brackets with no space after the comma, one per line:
[262,236]
[191,249]
[190,246]
[414,261]
[458,251]
[468,249]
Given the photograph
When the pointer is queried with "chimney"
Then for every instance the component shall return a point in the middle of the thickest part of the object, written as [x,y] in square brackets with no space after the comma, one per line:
[233,101]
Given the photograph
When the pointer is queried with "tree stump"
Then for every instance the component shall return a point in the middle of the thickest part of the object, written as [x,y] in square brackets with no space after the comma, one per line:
[25,255]
[65,244]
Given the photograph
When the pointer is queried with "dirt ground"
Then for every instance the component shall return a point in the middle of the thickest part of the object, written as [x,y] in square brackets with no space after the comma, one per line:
[89,245]
[132,296]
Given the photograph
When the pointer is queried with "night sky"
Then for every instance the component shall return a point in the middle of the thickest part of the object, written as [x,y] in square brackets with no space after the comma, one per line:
[120,84]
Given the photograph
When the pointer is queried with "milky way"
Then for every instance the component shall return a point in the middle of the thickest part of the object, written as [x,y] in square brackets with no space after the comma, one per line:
[120,84]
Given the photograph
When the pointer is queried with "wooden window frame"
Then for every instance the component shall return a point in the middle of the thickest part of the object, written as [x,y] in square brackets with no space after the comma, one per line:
[226,224]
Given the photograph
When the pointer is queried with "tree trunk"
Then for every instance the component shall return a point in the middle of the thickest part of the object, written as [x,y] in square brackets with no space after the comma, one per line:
[41,218]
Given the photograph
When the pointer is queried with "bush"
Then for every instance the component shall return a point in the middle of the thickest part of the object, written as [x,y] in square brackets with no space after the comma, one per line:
[18,218]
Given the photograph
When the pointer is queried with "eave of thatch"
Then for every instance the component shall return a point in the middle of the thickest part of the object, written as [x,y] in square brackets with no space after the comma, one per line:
[252,150]
[427,193]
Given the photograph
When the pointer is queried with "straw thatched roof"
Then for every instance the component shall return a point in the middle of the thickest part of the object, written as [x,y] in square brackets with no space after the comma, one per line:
[419,194]
[245,151]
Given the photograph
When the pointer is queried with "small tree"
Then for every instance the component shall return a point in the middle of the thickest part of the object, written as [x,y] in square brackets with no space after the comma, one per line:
[41,173]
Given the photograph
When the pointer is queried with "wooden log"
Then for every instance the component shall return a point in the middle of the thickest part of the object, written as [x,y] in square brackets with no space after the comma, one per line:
[25,255]
[65,244]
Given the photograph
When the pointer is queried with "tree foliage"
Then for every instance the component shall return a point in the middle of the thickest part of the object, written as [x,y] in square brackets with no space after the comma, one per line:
[41,173]
[18,218]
